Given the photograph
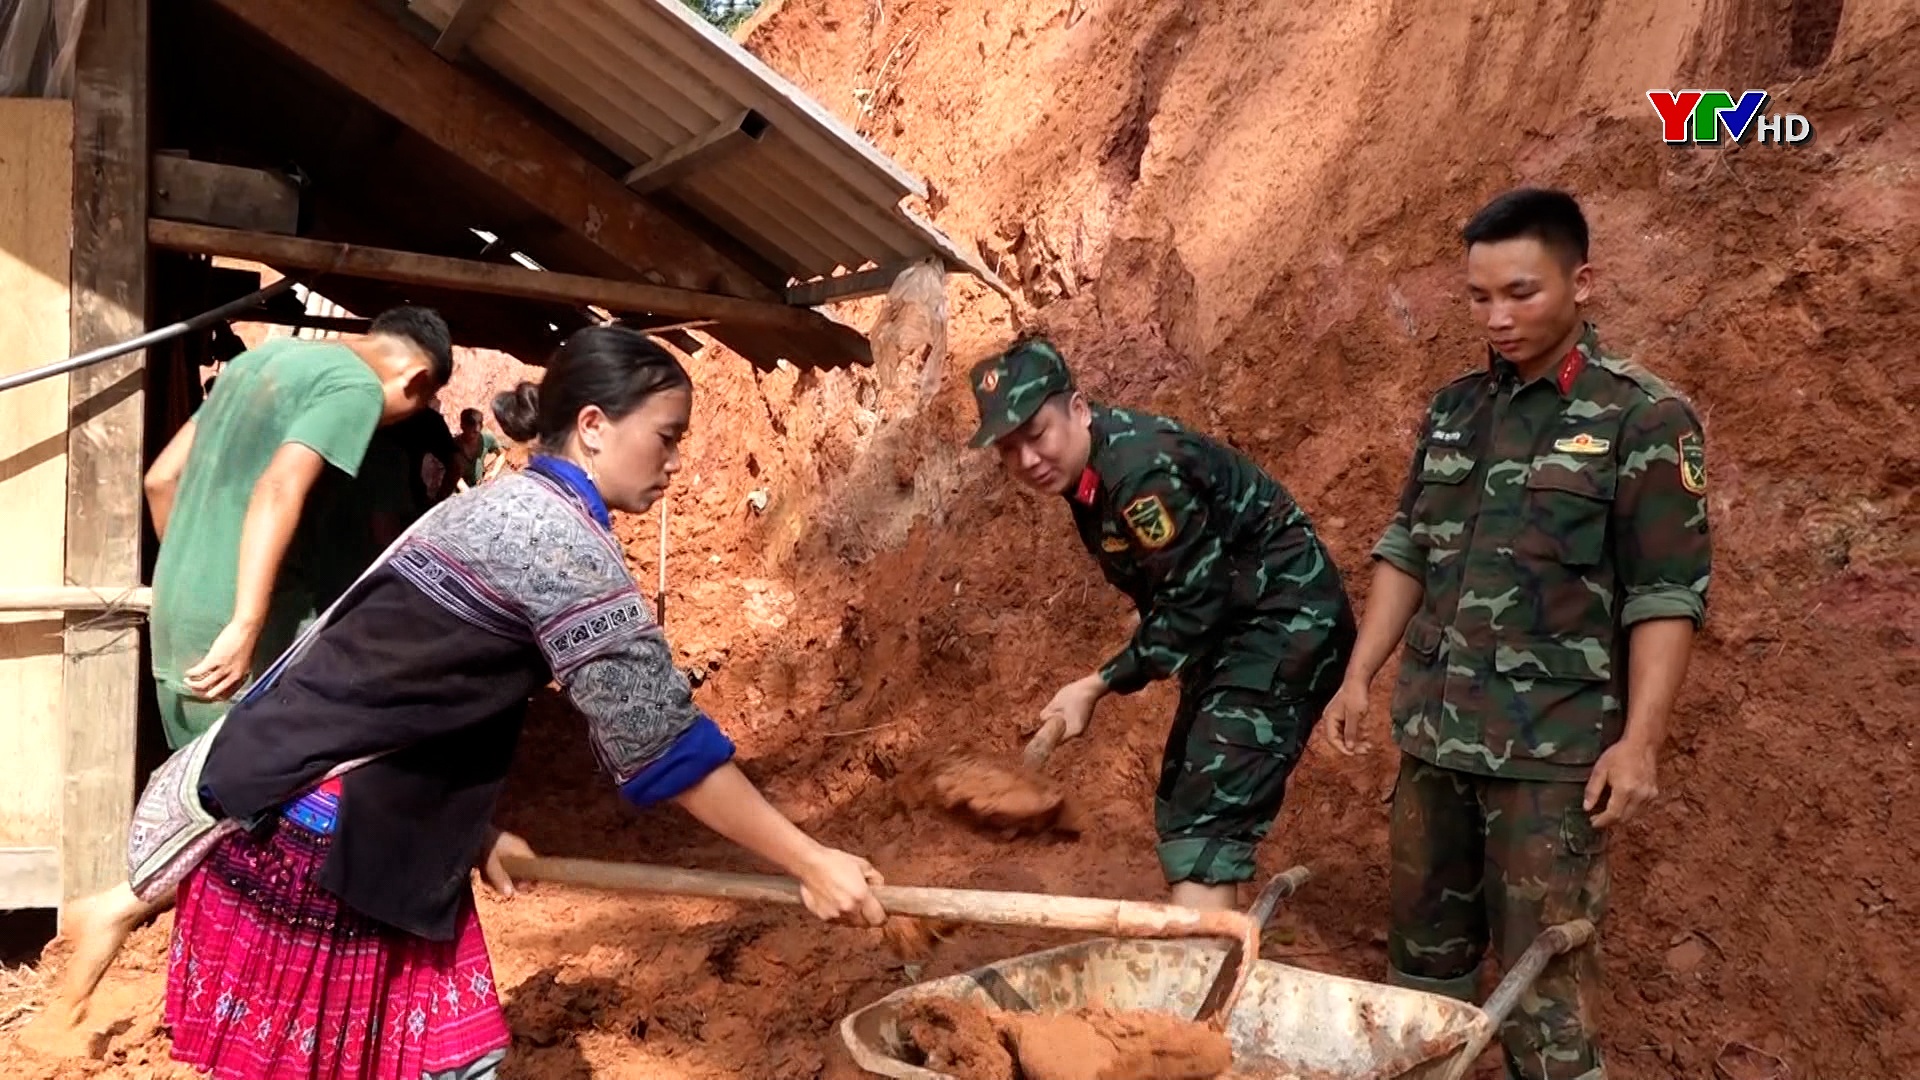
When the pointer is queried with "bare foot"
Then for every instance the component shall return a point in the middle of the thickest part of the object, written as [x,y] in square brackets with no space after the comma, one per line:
[60,1030]
[98,925]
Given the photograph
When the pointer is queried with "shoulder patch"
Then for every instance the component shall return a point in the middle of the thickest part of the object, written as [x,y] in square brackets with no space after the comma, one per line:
[1151,524]
[1693,463]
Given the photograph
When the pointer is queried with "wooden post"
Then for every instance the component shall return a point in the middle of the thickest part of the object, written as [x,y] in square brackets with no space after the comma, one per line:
[36,237]
[104,452]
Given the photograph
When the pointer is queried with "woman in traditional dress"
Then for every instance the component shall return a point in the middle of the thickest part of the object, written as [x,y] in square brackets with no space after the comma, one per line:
[335,935]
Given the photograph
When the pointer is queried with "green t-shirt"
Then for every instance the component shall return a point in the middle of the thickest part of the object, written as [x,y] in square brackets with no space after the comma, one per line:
[478,466]
[318,394]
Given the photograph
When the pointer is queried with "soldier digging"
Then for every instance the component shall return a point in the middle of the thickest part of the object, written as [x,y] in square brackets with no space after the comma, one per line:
[1238,600]
[1547,570]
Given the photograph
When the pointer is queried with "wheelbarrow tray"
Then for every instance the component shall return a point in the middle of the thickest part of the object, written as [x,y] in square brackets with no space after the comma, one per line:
[1289,1024]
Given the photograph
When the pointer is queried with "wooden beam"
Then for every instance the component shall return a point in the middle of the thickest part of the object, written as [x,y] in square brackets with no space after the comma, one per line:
[846,286]
[29,878]
[374,57]
[138,599]
[337,324]
[699,152]
[407,268]
[226,195]
[104,449]
[36,241]
[467,20]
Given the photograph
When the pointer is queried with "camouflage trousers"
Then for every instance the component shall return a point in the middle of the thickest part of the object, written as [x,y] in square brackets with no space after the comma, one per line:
[1223,776]
[1479,861]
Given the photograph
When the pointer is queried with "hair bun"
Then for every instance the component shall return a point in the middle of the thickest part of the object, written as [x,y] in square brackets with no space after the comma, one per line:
[518,411]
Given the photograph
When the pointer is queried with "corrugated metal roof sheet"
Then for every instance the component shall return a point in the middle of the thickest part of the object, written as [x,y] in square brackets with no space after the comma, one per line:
[644,77]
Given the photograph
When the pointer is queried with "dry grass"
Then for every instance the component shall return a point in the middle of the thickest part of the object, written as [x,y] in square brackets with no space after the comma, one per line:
[22,994]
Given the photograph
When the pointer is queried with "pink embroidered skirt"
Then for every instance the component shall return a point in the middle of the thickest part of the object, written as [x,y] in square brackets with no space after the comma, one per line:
[270,976]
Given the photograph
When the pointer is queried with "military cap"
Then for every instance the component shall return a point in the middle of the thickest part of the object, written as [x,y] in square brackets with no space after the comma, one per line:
[1011,386]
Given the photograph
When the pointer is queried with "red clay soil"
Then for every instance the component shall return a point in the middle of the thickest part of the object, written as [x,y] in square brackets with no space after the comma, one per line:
[1245,215]
[1100,1044]
[955,1039]
[1087,1044]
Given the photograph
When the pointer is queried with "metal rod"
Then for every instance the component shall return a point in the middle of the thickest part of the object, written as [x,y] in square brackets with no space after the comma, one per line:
[150,338]
[660,598]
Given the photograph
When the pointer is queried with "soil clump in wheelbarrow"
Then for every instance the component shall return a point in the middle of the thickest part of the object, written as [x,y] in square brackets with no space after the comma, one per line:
[1009,798]
[1086,1044]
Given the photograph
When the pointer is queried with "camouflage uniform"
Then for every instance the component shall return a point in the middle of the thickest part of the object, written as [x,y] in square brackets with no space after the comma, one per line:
[1544,520]
[1237,597]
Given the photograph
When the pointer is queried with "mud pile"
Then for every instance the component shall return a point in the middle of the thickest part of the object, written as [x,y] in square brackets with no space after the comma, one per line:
[1088,1044]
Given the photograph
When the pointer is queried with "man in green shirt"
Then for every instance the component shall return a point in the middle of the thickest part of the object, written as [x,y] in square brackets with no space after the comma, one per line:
[478,450]
[244,565]
[1547,570]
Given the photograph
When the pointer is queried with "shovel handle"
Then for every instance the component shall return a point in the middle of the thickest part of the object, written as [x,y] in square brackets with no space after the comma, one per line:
[1120,918]
[1041,746]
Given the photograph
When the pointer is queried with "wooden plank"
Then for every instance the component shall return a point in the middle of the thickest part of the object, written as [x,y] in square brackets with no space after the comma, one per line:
[467,20]
[29,877]
[104,449]
[45,598]
[375,58]
[728,137]
[226,195]
[846,286]
[36,229]
[408,268]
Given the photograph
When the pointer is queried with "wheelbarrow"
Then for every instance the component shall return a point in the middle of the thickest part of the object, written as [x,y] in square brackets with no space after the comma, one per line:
[1288,1022]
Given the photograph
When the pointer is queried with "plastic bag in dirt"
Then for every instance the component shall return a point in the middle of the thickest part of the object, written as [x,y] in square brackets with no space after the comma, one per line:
[911,333]
[37,41]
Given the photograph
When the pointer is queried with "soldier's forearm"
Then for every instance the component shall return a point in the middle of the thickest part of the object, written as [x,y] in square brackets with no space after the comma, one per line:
[1391,601]
[1659,651]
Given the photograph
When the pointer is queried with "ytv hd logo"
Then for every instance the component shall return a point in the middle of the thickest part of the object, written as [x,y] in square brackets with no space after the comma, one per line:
[1699,116]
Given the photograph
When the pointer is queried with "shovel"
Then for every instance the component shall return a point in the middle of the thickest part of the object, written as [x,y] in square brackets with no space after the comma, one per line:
[1115,918]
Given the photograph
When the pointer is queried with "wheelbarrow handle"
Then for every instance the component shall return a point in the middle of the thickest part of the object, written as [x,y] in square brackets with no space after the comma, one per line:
[1281,887]
[1218,1001]
[1554,941]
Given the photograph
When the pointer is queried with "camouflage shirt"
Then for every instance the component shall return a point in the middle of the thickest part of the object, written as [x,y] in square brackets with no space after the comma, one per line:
[1544,520]
[1232,585]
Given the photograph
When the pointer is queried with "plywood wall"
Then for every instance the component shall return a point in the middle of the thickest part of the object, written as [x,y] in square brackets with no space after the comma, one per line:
[36,226]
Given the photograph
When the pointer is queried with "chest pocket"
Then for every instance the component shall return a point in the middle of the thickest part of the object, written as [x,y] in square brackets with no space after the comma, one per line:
[1446,501]
[1569,508]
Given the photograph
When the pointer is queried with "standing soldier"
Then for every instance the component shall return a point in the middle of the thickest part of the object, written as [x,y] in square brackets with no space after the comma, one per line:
[1237,598]
[1547,570]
